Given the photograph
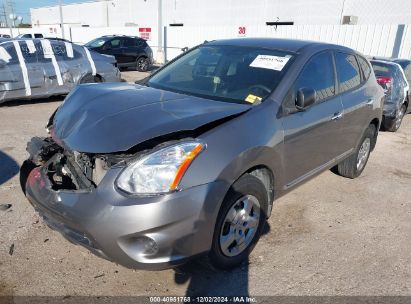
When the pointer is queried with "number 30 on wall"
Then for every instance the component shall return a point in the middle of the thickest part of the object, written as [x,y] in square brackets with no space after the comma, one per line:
[241,30]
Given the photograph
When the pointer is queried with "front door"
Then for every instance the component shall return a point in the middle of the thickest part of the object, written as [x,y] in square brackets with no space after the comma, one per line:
[311,137]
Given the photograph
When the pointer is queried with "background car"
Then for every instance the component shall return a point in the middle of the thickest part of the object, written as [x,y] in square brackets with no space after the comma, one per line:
[130,52]
[406,67]
[390,76]
[30,36]
[42,68]
[4,36]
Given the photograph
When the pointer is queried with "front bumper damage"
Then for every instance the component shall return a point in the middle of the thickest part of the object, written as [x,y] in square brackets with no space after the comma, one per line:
[76,195]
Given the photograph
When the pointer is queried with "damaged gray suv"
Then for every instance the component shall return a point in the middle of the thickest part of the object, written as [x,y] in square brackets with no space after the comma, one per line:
[190,161]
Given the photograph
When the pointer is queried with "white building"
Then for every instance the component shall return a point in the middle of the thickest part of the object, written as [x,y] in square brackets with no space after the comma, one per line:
[377,27]
[119,13]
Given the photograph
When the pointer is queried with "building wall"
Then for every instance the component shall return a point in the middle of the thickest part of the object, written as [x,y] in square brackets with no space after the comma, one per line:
[225,12]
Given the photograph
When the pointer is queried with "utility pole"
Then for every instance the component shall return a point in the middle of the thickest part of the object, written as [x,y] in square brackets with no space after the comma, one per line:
[4,12]
[61,19]
[160,52]
[11,4]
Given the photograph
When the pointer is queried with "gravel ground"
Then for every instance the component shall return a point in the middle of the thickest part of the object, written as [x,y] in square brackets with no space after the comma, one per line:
[331,236]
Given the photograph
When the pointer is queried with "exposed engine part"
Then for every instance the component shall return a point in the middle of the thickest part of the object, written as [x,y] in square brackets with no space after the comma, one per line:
[100,169]
[65,169]
[42,149]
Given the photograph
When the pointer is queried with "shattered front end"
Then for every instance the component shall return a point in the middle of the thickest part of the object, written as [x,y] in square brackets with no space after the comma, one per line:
[76,194]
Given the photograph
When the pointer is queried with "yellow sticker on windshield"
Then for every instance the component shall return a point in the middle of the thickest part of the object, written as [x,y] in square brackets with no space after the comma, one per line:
[252,98]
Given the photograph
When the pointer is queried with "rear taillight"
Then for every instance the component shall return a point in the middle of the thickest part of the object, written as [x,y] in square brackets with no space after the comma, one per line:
[384,80]
[385,83]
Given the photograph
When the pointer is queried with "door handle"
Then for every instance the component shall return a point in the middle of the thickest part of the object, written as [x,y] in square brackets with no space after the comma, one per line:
[337,116]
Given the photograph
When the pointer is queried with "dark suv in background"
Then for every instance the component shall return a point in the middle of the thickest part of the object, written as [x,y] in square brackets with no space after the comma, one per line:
[130,52]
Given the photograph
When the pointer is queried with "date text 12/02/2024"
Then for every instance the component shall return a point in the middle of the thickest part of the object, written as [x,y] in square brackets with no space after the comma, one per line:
[199,299]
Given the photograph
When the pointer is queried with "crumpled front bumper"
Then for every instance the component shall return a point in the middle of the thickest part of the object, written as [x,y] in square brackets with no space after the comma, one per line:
[155,232]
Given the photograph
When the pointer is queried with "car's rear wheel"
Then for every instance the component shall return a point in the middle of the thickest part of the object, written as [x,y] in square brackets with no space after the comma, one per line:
[90,79]
[353,166]
[392,125]
[142,64]
[240,222]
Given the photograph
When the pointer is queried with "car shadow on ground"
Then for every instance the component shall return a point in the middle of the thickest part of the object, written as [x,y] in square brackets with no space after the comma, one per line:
[205,281]
[22,102]
[8,167]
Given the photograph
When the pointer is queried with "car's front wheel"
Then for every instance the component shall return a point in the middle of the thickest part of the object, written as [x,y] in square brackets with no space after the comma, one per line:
[240,222]
[353,166]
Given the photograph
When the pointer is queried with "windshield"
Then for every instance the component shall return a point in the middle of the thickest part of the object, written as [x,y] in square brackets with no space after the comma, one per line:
[24,36]
[96,42]
[227,73]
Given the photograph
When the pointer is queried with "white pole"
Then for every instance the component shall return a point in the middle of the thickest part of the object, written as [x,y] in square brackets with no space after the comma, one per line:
[61,19]
[160,52]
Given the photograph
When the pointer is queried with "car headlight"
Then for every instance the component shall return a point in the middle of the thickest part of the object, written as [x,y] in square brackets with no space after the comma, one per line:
[160,171]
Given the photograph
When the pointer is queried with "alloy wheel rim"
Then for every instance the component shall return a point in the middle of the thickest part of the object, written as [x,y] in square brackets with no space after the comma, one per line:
[142,64]
[363,153]
[240,226]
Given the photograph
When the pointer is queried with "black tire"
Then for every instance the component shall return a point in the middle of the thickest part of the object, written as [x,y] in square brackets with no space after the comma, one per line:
[349,167]
[392,125]
[25,170]
[90,79]
[246,185]
[142,64]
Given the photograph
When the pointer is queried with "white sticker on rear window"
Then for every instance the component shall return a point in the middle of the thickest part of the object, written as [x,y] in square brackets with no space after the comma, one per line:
[4,55]
[69,49]
[270,62]
[31,46]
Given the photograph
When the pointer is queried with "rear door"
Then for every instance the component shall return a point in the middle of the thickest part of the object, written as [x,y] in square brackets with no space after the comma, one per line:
[356,97]
[130,50]
[311,137]
[34,68]
[114,47]
[21,76]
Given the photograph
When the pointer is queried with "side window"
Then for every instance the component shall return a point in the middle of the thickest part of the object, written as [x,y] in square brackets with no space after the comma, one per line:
[140,43]
[348,71]
[318,73]
[115,43]
[30,56]
[129,42]
[59,50]
[11,53]
[365,67]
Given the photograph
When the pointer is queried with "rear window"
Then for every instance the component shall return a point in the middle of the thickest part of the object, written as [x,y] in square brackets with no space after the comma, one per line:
[365,67]
[382,70]
[348,71]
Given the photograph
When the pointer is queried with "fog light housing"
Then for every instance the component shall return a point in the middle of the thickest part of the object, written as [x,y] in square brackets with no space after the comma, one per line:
[139,246]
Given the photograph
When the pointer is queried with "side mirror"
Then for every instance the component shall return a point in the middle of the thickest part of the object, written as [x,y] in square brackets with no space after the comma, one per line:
[305,98]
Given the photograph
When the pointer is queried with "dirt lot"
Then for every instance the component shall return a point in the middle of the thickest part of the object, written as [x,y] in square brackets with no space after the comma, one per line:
[331,236]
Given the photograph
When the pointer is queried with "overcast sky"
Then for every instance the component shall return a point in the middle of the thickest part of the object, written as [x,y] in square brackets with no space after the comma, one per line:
[23,6]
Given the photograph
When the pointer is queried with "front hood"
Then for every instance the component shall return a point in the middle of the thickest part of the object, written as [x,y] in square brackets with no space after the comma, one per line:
[114,117]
